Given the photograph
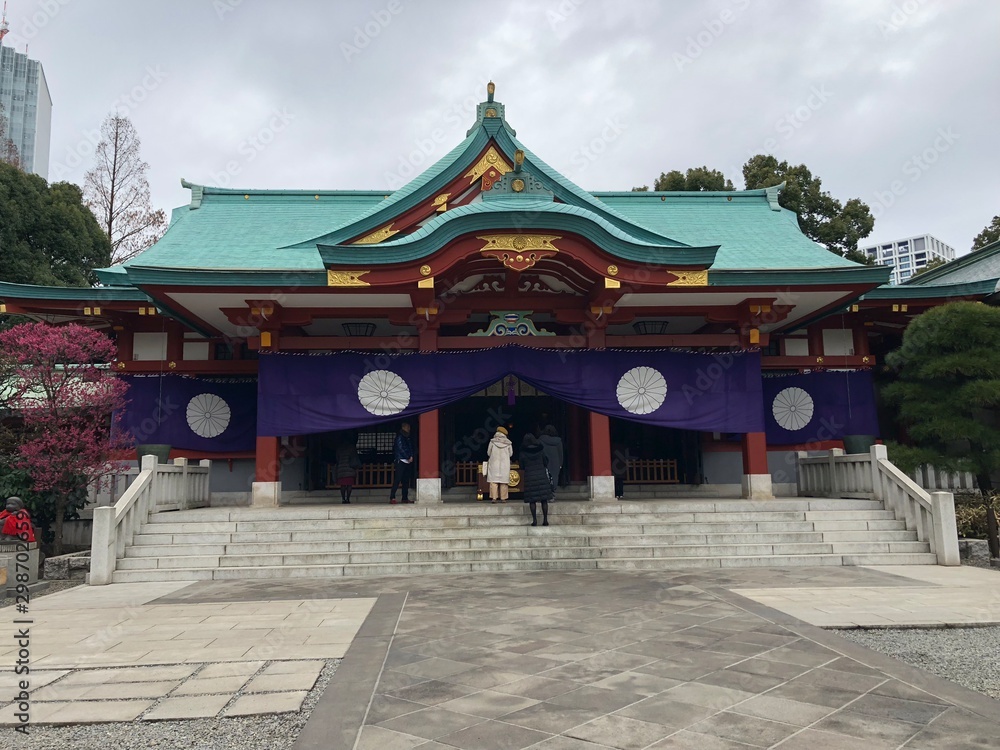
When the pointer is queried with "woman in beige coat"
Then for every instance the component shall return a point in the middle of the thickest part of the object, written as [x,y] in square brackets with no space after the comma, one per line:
[499,451]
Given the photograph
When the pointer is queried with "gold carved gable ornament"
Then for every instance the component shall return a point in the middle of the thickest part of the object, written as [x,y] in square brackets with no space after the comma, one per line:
[519,251]
[346,278]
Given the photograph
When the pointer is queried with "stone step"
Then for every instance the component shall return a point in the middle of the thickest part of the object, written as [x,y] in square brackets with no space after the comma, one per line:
[426,528]
[427,568]
[636,551]
[515,518]
[487,541]
[337,511]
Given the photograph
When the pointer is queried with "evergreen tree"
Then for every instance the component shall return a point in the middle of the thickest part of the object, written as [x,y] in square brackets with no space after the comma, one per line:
[948,386]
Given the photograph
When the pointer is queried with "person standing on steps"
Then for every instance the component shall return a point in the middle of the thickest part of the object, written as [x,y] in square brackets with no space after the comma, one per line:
[552,444]
[402,459]
[619,467]
[537,487]
[499,452]
[347,465]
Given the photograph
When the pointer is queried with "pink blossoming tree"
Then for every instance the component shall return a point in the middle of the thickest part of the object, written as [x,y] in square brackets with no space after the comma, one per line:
[59,381]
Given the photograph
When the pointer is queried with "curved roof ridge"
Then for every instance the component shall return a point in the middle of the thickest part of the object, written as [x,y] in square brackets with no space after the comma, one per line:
[502,205]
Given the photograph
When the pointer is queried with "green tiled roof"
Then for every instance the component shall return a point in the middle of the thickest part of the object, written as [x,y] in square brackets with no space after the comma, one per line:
[259,233]
[751,235]
[979,265]
[73,294]
[511,214]
[231,232]
[904,292]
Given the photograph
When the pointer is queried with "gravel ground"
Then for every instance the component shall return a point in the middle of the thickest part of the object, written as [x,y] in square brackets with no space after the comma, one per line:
[967,656]
[273,732]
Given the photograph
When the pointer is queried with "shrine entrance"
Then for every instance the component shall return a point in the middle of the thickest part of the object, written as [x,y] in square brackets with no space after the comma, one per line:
[468,425]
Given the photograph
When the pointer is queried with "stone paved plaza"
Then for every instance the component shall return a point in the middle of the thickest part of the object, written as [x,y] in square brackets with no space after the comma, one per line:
[585,660]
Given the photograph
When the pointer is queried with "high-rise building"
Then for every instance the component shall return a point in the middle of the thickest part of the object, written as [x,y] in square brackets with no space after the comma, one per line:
[907,256]
[24,97]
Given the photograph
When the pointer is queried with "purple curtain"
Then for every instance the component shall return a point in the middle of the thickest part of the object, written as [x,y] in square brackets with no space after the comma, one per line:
[202,414]
[302,394]
[819,406]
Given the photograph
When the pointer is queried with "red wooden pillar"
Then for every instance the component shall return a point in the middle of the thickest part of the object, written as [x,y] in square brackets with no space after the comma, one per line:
[600,445]
[268,462]
[175,342]
[125,339]
[860,340]
[428,449]
[754,453]
[815,334]
[756,476]
[429,434]
[576,443]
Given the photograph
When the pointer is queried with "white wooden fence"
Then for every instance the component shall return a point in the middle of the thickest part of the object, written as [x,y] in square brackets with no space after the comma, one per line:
[156,487]
[931,515]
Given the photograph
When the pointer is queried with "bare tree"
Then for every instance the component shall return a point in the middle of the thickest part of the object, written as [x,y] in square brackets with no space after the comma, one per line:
[8,149]
[117,191]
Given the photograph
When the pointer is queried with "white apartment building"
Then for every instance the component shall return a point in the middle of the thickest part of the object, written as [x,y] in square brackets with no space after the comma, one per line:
[907,256]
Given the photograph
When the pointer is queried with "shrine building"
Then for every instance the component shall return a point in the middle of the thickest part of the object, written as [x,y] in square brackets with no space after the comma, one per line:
[691,341]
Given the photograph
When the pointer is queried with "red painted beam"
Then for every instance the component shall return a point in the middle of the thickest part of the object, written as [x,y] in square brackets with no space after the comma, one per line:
[819,362]
[193,367]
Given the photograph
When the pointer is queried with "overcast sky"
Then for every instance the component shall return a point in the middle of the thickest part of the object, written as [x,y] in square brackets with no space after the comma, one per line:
[896,103]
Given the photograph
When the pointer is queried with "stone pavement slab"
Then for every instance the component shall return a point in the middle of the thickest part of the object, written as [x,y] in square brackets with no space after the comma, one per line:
[125,625]
[928,596]
[574,660]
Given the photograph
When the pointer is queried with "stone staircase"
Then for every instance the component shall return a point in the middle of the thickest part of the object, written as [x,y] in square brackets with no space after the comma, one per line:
[356,540]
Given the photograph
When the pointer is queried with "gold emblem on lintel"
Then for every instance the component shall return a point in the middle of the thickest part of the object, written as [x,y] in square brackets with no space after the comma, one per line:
[519,251]
[490,160]
[379,235]
[441,202]
[346,278]
[689,278]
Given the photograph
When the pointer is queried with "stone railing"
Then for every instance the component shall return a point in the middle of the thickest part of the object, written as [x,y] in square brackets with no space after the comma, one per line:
[158,487]
[931,478]
[931,515]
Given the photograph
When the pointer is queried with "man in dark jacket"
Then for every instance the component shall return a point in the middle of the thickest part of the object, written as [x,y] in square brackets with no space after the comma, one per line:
[402,458]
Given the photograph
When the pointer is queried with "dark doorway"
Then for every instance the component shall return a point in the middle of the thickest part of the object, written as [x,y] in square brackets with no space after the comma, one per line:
[658,455]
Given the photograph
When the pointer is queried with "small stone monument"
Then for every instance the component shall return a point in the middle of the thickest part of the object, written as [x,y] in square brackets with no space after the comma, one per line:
[18,550]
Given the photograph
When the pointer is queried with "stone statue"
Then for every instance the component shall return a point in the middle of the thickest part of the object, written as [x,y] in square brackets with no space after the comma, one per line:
[16,522]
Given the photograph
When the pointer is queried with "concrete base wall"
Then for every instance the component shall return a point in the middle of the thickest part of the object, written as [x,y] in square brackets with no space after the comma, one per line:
[429,491]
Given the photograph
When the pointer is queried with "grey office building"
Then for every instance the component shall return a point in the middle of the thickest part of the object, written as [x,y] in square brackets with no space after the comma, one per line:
[24,96]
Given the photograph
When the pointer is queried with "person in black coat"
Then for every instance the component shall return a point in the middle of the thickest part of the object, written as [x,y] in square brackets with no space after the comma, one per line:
[536,483]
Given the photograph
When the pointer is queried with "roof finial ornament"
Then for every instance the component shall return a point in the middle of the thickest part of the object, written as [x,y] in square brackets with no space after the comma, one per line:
[490,89]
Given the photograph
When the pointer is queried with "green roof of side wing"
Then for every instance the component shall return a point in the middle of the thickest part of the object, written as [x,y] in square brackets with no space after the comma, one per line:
[242,230]
[979,265]
[752,235]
